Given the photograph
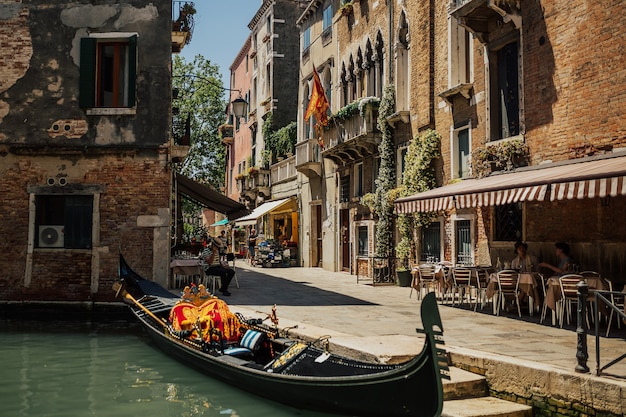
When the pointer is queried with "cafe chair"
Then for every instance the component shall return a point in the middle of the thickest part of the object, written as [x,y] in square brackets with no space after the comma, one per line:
[569,296]
[617,301]
[508,286]
[426,280]
[230,259]
[482,280]
[461,285]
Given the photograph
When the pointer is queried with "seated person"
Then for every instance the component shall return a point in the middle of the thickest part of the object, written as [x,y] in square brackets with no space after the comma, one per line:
[562,254]
[218,267]
[524,262]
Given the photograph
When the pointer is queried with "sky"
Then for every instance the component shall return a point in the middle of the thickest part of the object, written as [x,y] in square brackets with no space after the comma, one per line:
[220,29]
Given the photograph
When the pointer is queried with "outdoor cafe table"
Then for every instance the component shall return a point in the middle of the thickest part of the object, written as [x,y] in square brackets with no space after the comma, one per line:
[528,283]
[443,279]
[187,267]
[553,291]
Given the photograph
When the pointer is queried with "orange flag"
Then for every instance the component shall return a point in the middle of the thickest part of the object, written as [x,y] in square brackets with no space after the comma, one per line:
[318,105]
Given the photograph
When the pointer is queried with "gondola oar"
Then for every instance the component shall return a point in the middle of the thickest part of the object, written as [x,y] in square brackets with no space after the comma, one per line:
[119,288]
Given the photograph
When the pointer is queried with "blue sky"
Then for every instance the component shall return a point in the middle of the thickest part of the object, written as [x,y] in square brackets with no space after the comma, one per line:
[221,27]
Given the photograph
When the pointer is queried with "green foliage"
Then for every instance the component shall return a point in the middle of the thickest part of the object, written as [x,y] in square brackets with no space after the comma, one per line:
[352,109]
[386,179]
[505,155]
[279,142]
[200,97]
[418,176]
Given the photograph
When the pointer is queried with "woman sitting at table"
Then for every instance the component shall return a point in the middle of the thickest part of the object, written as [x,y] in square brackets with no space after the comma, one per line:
[562,254]
[524,262]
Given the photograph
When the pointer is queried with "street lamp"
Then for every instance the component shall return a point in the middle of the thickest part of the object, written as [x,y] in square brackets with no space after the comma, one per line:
[238,105]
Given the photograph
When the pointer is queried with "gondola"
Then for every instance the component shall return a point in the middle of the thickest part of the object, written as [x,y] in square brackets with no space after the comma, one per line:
[296,373]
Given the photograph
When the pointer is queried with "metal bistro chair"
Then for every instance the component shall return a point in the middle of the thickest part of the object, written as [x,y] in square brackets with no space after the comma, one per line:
[427,279]
[569,296]
[617,301]
[482,280]
[462,283]
[508,285]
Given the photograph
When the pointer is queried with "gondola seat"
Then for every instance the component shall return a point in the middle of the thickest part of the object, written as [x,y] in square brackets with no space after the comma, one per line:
[249,345]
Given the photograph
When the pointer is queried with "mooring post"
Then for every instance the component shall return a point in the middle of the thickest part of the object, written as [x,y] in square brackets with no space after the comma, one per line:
[581,347]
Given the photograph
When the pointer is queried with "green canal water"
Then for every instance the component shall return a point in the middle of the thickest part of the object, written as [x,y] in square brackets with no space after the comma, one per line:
[50,369]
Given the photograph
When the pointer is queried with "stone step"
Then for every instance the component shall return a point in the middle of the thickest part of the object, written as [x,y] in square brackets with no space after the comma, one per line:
[485,407]
[463,384]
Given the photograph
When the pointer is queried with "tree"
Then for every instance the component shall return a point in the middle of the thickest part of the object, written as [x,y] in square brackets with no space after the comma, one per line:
[201,98]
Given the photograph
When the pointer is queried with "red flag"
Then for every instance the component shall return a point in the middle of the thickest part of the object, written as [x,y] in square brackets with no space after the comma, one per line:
[318,105]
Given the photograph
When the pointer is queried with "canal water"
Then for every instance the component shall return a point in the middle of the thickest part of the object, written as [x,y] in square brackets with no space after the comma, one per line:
[67,369]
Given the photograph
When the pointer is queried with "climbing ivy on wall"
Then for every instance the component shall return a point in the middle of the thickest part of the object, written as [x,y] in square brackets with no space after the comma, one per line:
[386,179]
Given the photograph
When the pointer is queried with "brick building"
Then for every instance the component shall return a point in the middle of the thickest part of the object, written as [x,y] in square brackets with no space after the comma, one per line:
[85,121]
[514,83]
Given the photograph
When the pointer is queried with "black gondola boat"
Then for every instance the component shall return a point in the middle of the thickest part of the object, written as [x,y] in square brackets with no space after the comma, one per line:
[309,377]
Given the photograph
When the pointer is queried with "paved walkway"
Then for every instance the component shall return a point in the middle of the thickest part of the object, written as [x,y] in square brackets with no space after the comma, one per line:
[384,318]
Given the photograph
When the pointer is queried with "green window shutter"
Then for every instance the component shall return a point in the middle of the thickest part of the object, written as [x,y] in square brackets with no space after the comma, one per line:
[132,70]
[87,86]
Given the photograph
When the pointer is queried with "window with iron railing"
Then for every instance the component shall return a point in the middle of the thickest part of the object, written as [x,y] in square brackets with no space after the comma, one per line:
[508,222]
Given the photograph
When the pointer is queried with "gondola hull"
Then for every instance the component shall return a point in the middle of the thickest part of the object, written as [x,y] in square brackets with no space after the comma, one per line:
[410,389]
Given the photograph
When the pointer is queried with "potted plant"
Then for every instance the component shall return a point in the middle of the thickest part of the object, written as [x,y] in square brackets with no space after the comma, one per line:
[403,252]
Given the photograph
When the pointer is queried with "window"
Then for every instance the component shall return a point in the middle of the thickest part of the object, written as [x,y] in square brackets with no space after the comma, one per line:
[508,222]
[431,243]
[306,39]
[363,241]
[401,164]
[504,96]
[64,221]
[463,242]
[344,190]
[328,18]
[461,152]
[108,68]
[358,180]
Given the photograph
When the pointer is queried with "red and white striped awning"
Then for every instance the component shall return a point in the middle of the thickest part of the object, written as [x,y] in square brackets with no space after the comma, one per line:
[583,178]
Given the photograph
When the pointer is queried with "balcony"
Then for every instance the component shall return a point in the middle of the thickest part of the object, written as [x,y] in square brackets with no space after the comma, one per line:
[181,139]
[309,158]
[354,135]
[482,17]
[182,24]
[226,133]
[254,185]
[283,171]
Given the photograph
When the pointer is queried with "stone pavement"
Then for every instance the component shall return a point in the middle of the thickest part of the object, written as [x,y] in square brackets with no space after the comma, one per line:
[381,321]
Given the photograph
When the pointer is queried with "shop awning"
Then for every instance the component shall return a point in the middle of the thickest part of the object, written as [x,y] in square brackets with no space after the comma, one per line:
[209,198]
[222,222]
[263,209]
[584,178]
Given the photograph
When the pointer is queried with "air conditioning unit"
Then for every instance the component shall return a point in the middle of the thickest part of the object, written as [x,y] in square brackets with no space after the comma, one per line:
[51,237]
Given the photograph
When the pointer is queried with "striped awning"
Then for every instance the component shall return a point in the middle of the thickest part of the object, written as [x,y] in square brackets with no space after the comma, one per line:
[583,178]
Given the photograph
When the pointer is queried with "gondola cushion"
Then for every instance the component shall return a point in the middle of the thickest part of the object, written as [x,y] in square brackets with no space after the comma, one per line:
[250,343]
[252,340]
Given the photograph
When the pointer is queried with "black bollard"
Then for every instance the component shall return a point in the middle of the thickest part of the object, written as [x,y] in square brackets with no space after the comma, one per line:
[581,347]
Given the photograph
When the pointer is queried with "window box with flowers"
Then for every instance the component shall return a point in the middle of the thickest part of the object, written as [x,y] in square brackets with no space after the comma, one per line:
[503,155]
[346,9]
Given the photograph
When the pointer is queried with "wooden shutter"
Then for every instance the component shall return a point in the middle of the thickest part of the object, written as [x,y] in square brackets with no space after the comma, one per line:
[87,85]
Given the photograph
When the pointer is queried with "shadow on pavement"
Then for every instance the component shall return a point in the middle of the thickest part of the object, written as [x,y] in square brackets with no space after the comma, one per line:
[258,288]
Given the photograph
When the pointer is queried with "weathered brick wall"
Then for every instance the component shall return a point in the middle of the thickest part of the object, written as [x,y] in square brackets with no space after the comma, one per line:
[133,187]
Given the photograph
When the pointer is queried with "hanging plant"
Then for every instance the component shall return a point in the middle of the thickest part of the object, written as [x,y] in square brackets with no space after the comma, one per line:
[352,109]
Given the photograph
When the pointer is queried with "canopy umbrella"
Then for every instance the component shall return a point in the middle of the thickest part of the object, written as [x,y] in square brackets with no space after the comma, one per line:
[221,223]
